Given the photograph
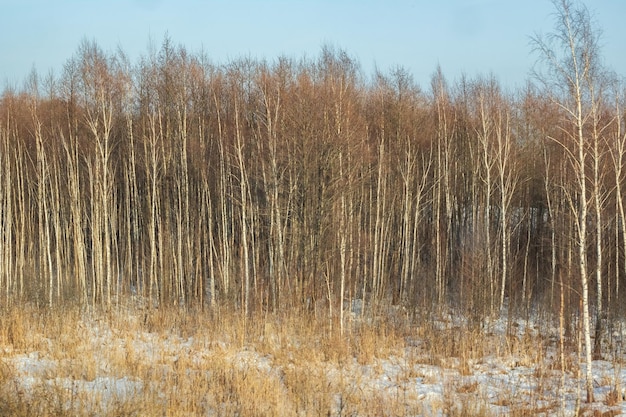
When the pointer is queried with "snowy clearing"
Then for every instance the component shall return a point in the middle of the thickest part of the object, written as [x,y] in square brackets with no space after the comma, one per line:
[106,366]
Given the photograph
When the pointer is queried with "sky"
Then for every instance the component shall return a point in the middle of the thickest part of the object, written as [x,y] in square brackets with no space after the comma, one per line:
[464,37]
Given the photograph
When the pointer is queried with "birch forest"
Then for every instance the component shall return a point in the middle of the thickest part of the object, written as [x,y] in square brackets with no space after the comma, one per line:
[305,184]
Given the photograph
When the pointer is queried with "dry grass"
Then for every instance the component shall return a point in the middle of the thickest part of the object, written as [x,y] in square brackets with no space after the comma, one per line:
[173,362]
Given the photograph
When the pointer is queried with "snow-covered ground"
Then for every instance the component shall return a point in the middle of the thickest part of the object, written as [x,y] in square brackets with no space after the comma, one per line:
[499,381]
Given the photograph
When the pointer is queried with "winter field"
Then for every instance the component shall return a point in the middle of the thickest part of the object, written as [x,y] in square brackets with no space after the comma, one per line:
[131,361]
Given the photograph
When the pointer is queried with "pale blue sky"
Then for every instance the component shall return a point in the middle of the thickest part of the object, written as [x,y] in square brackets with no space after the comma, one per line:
[463,36]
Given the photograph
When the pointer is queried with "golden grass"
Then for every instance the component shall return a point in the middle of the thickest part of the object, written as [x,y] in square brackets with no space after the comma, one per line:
[180,362]
[138,362]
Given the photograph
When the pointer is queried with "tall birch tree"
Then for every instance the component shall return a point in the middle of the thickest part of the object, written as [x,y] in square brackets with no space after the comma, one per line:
[571,58]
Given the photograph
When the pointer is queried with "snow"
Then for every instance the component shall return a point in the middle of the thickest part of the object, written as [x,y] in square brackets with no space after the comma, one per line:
[499,383]
[33,370]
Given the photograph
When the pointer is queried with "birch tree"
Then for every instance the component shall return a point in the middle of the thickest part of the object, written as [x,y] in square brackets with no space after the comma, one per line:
[571,60]
[443,180]
[617,152]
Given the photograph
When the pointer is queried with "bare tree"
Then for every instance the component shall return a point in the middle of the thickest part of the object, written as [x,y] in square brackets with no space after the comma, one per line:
[442,186]
[618,155]
[572,63]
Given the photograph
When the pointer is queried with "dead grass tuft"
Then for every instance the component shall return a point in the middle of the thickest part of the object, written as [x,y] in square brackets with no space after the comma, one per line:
[613,398]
